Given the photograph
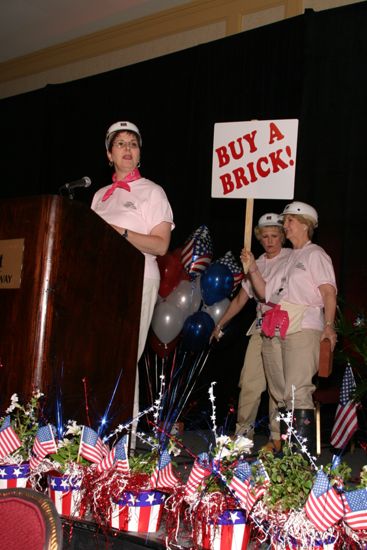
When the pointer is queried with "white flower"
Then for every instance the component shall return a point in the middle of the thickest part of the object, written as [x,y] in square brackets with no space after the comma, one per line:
[243,444]
[64,443]
[13,403]
[73,428]
[223,452]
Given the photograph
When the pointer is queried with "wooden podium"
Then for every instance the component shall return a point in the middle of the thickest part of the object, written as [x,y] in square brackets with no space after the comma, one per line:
[71,323]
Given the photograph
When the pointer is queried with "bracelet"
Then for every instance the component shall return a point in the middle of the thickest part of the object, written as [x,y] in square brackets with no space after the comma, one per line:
[218,327]
[329,324]
[253,270]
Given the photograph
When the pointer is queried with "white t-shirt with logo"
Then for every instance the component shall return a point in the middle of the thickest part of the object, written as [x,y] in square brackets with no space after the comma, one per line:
[306,269]
[140,210]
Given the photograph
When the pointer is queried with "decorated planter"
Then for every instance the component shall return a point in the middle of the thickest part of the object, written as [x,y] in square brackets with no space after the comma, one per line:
[139,512]
[14,475]
[231,531]
[66,495]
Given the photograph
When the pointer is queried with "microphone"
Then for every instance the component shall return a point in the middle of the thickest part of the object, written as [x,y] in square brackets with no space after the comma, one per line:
[83,182]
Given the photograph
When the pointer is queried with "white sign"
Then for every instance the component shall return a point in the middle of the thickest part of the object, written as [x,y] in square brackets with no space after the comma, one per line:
[254,159]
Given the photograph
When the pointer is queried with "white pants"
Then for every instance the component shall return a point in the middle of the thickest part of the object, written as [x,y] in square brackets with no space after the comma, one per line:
[148,301]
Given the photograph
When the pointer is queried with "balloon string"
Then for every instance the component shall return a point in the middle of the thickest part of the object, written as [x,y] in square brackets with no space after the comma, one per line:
[84,380]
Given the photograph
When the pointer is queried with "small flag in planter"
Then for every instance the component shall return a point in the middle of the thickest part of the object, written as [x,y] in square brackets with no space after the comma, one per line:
[44,444]
[324,506]
[200,470]
[91,445]
[9,441]
[163,475]
[356,508]
[117,457]
[346,420]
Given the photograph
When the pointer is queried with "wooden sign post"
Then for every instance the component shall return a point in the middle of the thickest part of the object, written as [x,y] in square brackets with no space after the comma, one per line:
[254,160]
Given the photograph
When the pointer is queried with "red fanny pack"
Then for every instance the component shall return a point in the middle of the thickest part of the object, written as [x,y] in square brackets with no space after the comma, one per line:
[275,320]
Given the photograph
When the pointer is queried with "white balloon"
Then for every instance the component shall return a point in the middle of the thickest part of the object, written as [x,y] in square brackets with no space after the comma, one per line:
[217,310]
[186,296]
[167,321]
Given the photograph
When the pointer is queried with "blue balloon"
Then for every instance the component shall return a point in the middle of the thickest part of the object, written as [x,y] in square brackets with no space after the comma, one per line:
[216,283]
[196,331]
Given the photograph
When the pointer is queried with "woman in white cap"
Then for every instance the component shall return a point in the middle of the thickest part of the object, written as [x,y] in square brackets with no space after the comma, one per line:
[269,232]
[303,295]
[139,210]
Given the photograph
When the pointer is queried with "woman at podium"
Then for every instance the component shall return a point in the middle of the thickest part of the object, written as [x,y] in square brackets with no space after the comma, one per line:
[139,210]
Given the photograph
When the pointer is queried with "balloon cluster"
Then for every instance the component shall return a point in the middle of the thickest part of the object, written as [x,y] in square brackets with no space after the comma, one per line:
[193,295]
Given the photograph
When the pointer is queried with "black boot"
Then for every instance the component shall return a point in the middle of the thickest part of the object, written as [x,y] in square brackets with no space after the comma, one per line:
[304,424]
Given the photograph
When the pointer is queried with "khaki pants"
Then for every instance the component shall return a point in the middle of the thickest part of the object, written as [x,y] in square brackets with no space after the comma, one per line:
[292,362]
[253,384]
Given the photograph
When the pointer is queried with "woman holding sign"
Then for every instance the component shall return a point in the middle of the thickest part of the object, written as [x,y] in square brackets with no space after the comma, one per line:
[269,231]
[302,294]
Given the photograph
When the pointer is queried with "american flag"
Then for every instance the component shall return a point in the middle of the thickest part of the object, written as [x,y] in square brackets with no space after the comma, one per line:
[116,456]
[44,444]
[230,532]
[9,441]
[355,503]
[324,506]
[121,455]
[91,445]
[163,475]
[197,251]
[233,265]
[140,513]
[200,470]
[241,482]
[346,420]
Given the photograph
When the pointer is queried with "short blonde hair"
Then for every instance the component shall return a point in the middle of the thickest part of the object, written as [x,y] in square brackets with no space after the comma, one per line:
[258,230]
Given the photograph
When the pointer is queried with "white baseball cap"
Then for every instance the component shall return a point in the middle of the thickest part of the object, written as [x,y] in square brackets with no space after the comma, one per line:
[122,126]
[302,209]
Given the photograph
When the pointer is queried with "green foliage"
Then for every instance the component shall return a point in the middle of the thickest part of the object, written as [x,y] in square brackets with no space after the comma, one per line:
[144,463]
[291,479]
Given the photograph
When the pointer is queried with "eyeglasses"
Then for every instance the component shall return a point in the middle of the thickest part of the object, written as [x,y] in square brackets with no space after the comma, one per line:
[121,144]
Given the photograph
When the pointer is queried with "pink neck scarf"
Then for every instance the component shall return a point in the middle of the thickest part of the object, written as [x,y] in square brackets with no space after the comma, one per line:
[122,184]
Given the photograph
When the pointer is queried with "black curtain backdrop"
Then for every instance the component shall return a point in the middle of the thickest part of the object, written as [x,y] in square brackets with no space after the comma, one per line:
[311,67]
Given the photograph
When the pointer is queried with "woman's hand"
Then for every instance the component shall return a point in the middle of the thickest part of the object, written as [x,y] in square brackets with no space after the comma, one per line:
[217,333]
[330,334]
[248,259]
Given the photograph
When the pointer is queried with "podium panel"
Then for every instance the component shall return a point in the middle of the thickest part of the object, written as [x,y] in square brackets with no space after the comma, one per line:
[72,325]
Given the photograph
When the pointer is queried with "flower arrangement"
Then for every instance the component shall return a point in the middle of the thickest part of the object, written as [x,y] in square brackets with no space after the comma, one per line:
[68,447]
[23,422]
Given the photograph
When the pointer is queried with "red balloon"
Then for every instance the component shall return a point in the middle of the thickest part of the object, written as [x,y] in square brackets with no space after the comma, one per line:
[171,270]
[162,350]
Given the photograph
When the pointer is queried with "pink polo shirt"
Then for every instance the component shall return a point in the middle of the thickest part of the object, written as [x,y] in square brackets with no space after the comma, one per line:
[306,269]
[140,210]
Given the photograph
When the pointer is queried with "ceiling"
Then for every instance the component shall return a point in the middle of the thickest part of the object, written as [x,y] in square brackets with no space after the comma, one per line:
[30,25]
